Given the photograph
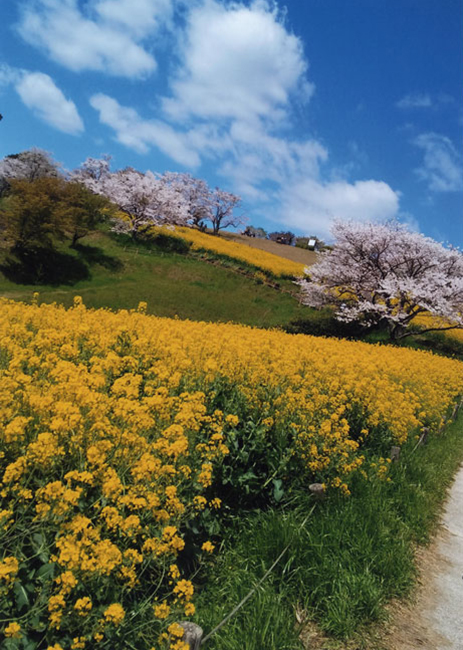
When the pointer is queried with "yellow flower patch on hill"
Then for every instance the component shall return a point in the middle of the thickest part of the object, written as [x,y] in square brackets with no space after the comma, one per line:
[278,266]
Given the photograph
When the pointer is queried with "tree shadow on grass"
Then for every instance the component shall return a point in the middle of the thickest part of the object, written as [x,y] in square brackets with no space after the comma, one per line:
[93,255]
[44,266]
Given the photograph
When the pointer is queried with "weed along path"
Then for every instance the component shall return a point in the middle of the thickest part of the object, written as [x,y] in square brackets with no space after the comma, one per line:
[435,620]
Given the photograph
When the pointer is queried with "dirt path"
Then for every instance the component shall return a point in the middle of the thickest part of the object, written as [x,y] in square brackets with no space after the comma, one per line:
[434,620]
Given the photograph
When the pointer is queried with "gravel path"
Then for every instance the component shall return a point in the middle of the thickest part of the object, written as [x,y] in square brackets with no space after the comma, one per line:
[434,621]
[447,615]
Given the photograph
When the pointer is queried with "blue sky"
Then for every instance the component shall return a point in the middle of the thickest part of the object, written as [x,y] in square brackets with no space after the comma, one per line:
[310,109]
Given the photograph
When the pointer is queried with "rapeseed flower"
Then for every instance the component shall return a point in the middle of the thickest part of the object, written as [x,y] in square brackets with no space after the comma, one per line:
[113,425]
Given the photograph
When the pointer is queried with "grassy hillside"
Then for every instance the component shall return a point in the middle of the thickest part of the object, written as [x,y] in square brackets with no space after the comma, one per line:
[118,274]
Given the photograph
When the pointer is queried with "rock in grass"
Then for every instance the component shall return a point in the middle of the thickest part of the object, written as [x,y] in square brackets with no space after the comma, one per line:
[192,634]
[317,489]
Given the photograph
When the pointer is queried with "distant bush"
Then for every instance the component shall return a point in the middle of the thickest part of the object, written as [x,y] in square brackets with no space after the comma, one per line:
[282,237]
[302,242]
[323,323]
[251,231]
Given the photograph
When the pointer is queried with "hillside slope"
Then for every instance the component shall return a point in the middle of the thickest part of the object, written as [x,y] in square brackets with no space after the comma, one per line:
[118,274]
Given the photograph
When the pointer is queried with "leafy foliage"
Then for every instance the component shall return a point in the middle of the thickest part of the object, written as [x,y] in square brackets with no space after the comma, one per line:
[35,215]
[282,237]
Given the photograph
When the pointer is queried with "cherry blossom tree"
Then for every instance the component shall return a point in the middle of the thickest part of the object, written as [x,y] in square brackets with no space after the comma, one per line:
[153,199]
[222,213]
[93,172]
[145,199]
[205,205]
[28,166]
[197,195]
[383,272]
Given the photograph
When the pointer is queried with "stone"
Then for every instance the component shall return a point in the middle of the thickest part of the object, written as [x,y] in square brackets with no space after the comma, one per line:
[317,490]
[192,634]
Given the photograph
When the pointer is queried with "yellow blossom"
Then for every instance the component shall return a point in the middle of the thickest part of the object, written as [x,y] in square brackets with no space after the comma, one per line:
[13,631]
[161,611]
[114,614]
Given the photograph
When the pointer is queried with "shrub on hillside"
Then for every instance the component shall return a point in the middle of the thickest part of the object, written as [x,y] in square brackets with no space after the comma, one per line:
[282,237]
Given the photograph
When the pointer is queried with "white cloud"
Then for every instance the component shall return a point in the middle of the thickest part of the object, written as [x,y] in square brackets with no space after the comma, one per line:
[8,75]
[238,62]
[139,134]
[39,93]
[416,100]
[442,166]
[311,206]
[424,100]
[231,99]
[106,35]
[261,163]
[239,70]
[139,17]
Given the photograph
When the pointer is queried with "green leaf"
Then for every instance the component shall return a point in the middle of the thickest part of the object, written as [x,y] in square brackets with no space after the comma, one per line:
[278,490]
[37,624]
[21,596]
[46,571]
[38,540]
[29,644]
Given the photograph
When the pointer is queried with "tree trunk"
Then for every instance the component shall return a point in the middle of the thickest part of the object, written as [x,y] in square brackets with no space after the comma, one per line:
[75,239]
[396,331]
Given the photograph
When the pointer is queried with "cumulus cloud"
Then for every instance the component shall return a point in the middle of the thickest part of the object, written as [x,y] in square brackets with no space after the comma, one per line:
[140,134]
[238,62]
[442,167]
[105,35]
[139,17]
[39,93]
[230,101]
[238,70]
[416,100]
[311,205]
[260,163]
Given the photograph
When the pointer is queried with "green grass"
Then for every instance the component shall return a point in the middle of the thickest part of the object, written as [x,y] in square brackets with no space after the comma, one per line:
[343,565]
[121,275]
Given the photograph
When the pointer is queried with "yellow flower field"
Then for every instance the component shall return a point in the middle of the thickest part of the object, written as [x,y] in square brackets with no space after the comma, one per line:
[115,426]
[277,266]
[427,320]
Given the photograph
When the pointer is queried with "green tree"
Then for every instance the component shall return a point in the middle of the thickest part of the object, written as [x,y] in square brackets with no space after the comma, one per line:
[29,217]
[82,211]
[35,214]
